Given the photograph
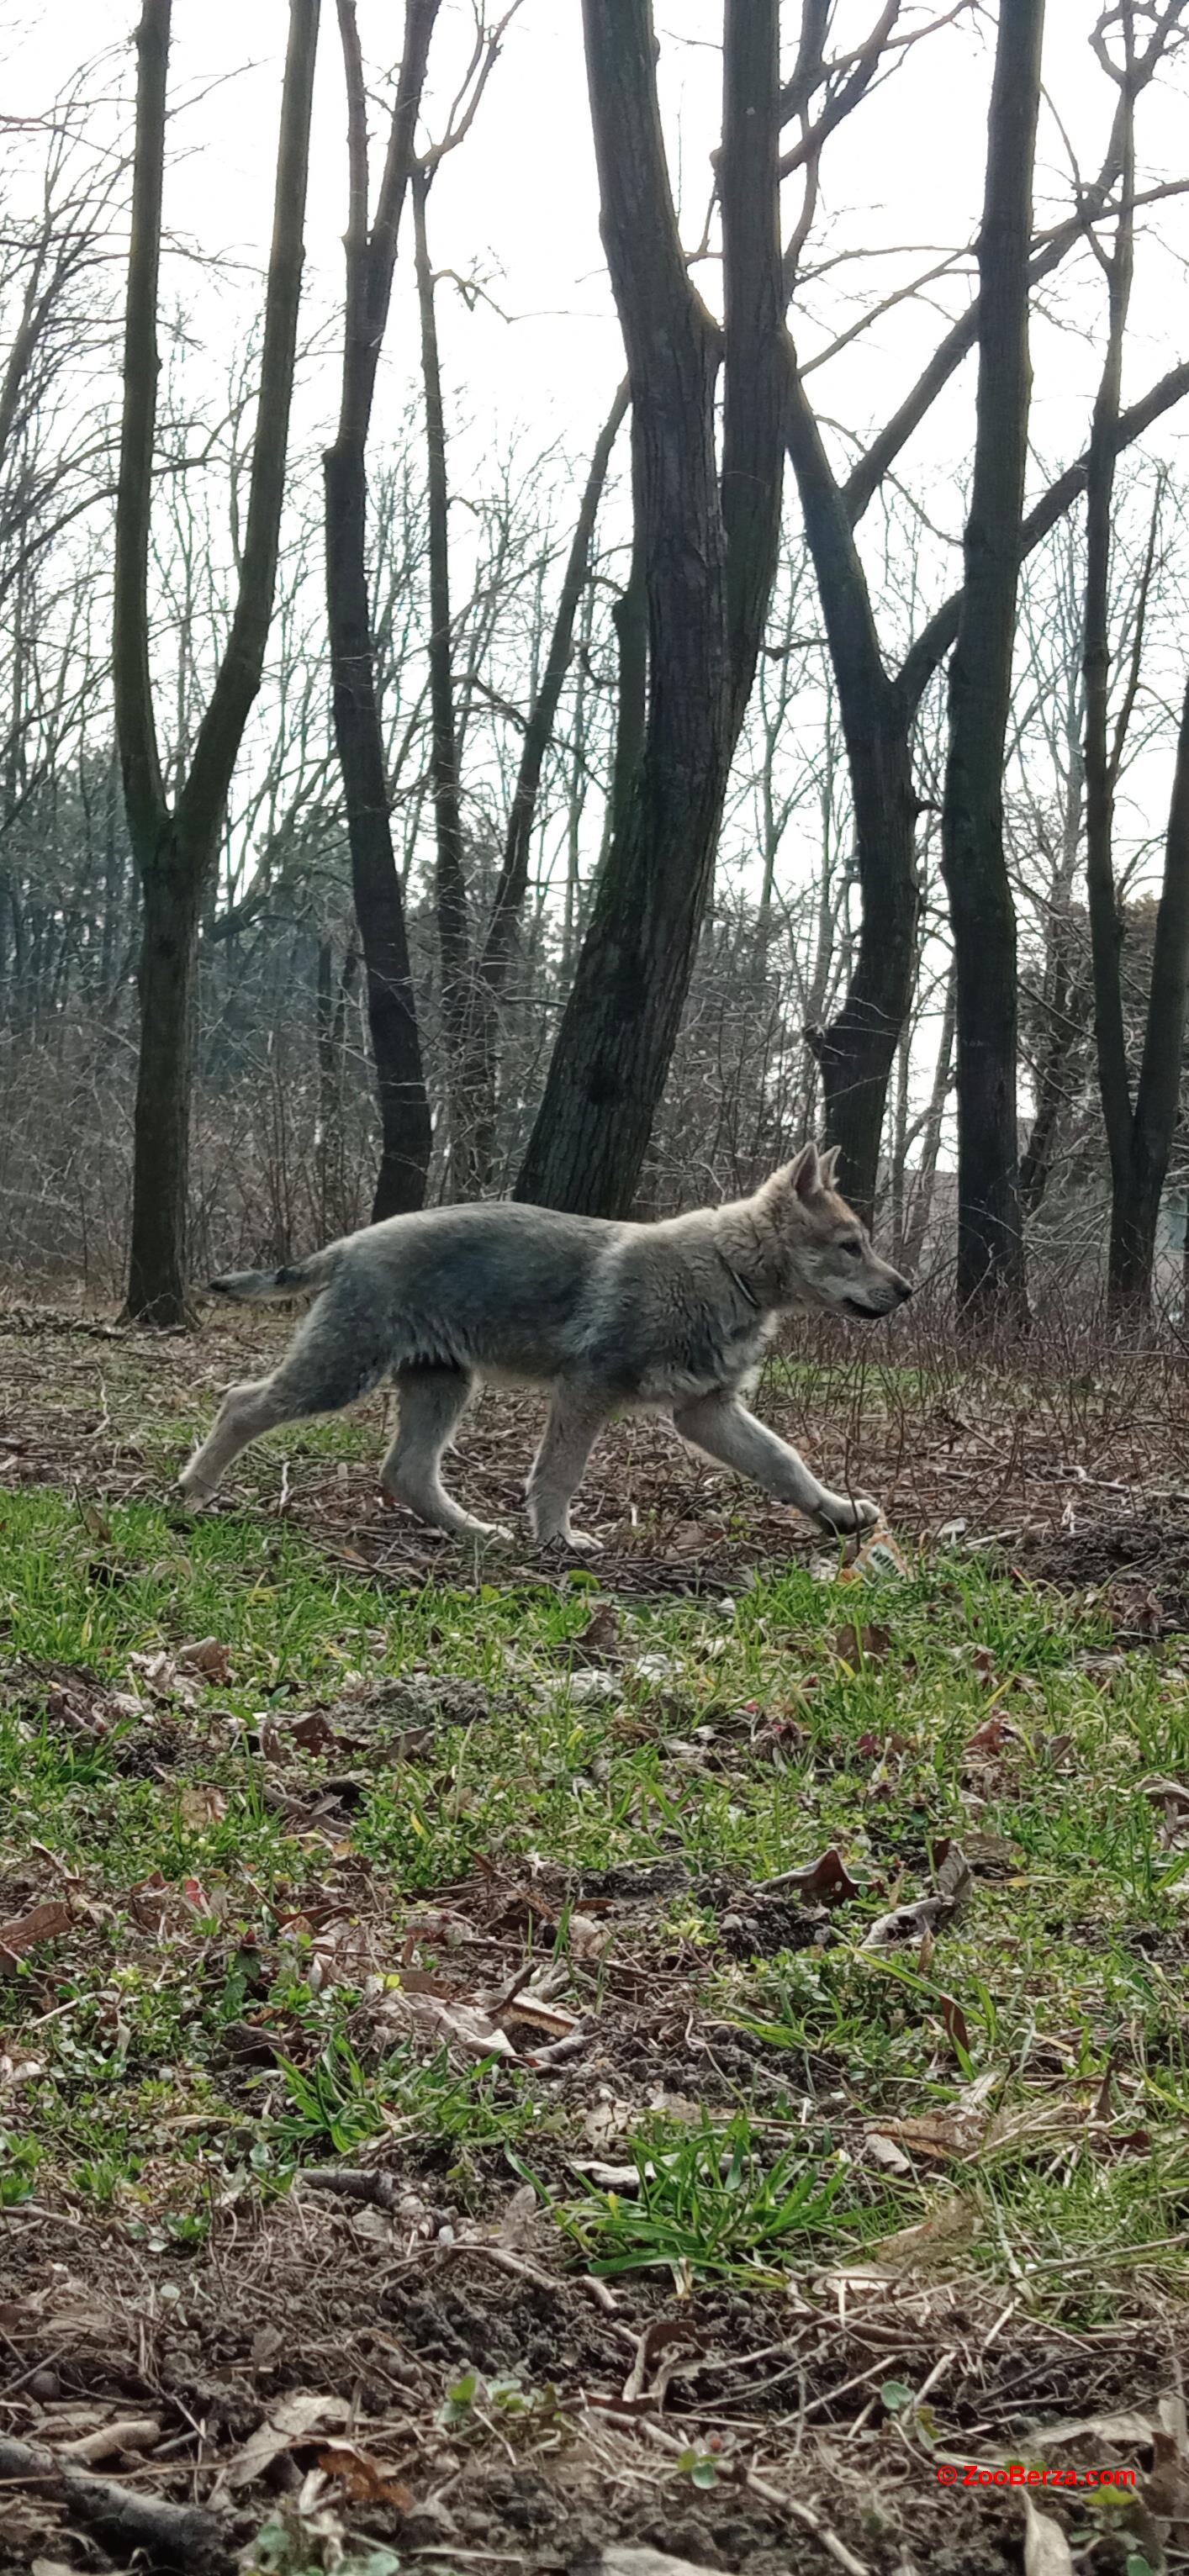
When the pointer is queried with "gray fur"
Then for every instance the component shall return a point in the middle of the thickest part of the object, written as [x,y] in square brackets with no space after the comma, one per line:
[671,1318]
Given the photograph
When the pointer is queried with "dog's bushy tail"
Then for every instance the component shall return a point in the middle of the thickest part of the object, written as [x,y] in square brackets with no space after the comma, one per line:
[293,1279]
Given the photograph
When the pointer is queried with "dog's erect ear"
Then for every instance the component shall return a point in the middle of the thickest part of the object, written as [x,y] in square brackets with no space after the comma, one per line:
[828,1165]
[805,1173]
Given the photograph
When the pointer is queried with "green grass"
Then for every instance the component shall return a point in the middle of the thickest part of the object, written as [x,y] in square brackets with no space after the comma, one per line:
[1062,1985]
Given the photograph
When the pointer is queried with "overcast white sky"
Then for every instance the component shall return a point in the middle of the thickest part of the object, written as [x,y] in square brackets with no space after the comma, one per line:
[519,202]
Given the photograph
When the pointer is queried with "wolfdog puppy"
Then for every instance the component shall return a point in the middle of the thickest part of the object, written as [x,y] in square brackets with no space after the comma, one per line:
[670,1318]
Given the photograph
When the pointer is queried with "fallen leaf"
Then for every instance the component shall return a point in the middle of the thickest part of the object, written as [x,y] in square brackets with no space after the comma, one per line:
[601,1637]
[954,1876]
[296,2419]
[647,2562]
[41,1923]
[992,1735]
[1125,2429]
[866,1645]
[936,2135]
[205,1656]
[198,1804]
[521,2218]
[954,2020]
[883,2150]
[1046,2549]
[906,1922]
[948,2227]
[826,1878]
[362,2477]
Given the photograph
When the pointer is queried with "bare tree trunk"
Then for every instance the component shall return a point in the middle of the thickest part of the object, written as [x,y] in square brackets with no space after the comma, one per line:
[503,927]
[920,1207]
[1135,1201]
[1063,999]
[990,1233]
[1139,1140]
[857,1050]
[450,886]
[709,568]
[371,258]
[176,851]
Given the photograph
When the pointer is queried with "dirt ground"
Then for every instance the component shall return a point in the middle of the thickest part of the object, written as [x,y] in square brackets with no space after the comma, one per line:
[290,2368]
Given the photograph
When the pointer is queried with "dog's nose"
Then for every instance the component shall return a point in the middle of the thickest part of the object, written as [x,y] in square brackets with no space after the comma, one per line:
[903,1288]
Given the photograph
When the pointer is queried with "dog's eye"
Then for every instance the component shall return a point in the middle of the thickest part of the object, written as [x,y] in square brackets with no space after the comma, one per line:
[854,1243]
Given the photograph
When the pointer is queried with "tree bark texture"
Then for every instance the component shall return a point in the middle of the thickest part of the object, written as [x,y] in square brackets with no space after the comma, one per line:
[990,1276]
[405,1129]
[503,928]
[709,559]
[856,1052]
[176,851]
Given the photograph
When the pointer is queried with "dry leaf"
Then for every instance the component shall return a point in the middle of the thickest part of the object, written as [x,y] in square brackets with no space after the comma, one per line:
[1125,2429]
[201,1805]
[866,1645]
[948,2227]
[296,2419]
[954,2020]
[41,1923]
[1046,2549]
[521,2218]
[363,2478]
[647,2562]
[992,1735]
[906,1922]
[600,1639]
[883,2150]
[205,1656]
[826,1878]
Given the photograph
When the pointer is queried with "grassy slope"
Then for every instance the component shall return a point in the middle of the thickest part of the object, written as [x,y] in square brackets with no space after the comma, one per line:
[1066,1966]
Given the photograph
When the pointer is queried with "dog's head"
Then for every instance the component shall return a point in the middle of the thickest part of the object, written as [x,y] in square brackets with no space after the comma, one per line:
[831,1259]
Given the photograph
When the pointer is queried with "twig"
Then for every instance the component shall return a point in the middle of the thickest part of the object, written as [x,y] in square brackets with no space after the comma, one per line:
[165,2535]
[804,2513]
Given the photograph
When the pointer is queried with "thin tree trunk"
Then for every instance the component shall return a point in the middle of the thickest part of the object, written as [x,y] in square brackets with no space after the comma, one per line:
[921,1204]
[857,1050]
[709,564]
[176,852]
[990,1235]
[503,928]
[1063,999]
[450,886]
[405,1129]
[1138,1141]
[1136,1207]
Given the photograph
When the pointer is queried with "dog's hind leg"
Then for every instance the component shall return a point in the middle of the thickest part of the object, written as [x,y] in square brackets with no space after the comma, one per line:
[570,1434]
[431,1402]
[723,1427]
[245,1412]
[323,1370]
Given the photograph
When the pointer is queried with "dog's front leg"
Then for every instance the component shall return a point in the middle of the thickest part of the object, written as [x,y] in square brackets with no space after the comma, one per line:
[575,1421]
[723,1427]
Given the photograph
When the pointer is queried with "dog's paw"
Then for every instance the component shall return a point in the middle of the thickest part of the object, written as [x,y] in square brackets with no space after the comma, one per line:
[583,1542]
[842,1515]
[192,1493]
